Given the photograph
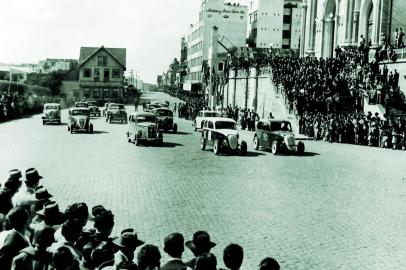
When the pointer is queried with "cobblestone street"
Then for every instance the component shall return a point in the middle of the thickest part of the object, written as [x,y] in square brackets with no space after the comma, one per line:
[338,207]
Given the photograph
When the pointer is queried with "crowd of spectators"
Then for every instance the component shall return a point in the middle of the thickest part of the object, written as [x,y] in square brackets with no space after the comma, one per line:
[36,235]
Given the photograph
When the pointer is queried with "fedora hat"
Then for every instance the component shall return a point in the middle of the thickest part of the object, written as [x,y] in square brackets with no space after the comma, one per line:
[128,239]
[14,174]
[201,241]
[96,210]
[32,175]
[51,214]
[42,193]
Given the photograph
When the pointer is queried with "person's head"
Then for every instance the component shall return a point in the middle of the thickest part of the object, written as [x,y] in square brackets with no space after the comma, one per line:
[206,262]
[19,218]
[104,222]
[32,178]
[174,245]
[149,257]
[44,237]
[102,253]
[200,243]
[269,264]
[13,182]
[232,256]
[78,211]
[63,259]
[71,230]
[128,242]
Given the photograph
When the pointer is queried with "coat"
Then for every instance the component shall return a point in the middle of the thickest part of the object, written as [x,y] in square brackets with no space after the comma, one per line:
[174,264]
[13,244]
[32,259]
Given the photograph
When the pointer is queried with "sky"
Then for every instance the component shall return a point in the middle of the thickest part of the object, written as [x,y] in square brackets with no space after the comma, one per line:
[151,30]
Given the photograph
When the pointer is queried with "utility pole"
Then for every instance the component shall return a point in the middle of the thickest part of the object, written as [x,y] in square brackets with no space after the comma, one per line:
[213,68]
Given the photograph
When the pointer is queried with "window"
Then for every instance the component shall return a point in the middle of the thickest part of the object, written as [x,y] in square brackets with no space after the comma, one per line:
[286,19]
[106,75]
[105,92]
[87,73]
[96,93]
[209,124]
[115,93]
[96,74]
[116,73]
[221,66]
[286,34]
[86,92]
[102,60]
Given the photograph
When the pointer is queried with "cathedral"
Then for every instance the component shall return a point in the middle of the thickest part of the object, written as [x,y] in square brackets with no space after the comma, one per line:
[327,24]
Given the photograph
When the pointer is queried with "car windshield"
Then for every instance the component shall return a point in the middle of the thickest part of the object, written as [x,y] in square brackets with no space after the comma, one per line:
[211,114]
[225,125]
[82,105]
[80,112]
[145,118]
[117,107]
[92,103]
[281,126]
[164,113]
[51,107]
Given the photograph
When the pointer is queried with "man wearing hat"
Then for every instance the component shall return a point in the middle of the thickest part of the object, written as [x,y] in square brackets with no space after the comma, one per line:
[174,247]
[11,187]
[26,195]
[37,256]
[200,245]
[126,243]
[49,215]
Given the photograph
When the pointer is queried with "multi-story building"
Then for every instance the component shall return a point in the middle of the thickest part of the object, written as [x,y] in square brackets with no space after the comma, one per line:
[231,21]
[51,65]
[275,24]
[101,72]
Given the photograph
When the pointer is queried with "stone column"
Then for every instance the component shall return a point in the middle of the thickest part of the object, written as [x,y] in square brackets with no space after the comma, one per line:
[349,26]
[355,30]
[328,37]
[303,30]
[336,28]
[377,24]
[311,27]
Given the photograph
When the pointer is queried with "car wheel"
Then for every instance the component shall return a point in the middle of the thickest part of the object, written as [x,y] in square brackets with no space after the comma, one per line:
[243,148]
[300,148]
[175,128]
[202,143]
[110,120]
[216,147]
[91,128]
[160,139]
[136,141]
[274,148]
[43,122]
[68,128]
[256,142]
[71,129]
[59,122]
[128,137]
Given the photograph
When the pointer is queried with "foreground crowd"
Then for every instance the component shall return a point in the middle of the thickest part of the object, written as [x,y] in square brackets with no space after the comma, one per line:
[36,235]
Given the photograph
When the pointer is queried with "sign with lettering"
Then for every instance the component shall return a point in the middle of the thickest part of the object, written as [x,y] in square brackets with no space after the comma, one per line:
[210,10]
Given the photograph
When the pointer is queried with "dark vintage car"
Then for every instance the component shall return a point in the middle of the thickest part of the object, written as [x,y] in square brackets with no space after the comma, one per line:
[221,133]
[142,129]
[164,118]
[116,112]
[79,120]
[151,107]
[51,113]
[278,136]
[93,108]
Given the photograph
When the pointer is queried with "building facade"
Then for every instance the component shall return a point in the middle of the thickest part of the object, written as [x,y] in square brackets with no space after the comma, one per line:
[275,24]
[327,24]
[51,65]
[231,21]
[101,72]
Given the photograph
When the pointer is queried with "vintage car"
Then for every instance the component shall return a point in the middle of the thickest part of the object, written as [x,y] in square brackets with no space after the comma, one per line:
[164,118]
[51,113]
[203,116]
[116,112]
[81,104]
[93,108]
[142,129]
[278,136]
[221,133]
[79,120]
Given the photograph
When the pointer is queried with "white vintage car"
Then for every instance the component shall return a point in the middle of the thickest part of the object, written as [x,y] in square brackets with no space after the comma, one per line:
[51,113]
[79,120]
[222,134]
[142,128]
[203,116]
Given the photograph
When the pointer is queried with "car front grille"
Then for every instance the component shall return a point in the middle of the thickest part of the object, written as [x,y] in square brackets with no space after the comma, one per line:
[151,132]
[233,141]
[82,123]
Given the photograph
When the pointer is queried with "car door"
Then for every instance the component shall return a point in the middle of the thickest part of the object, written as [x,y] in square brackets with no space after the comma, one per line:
[266,134]
[259,133]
